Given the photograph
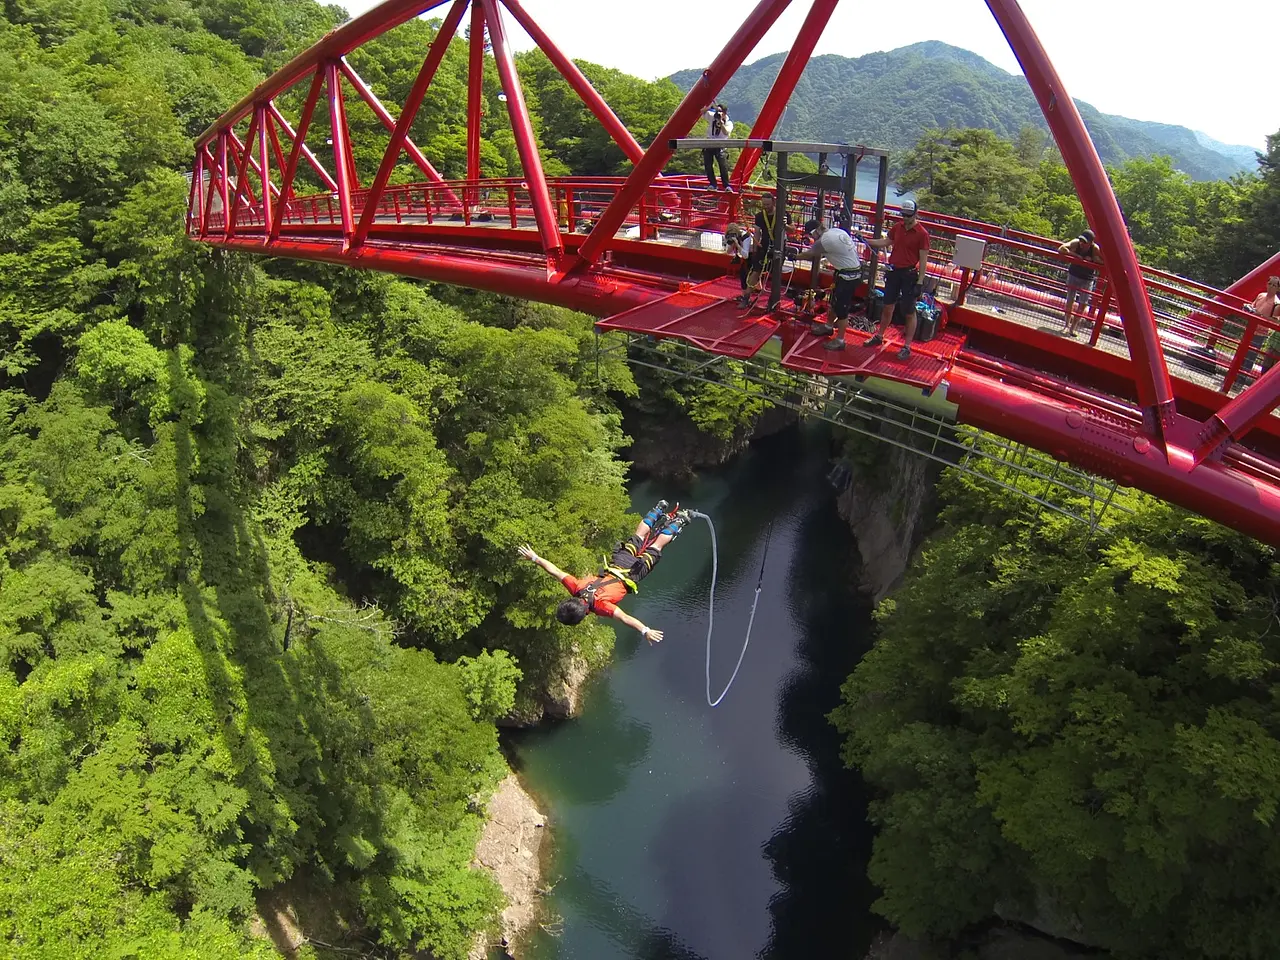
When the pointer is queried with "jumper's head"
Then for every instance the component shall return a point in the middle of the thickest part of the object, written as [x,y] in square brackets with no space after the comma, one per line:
[572,612]
[814,228]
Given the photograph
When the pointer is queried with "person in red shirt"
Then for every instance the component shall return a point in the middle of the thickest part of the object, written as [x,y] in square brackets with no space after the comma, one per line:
[631,562]
[905,277]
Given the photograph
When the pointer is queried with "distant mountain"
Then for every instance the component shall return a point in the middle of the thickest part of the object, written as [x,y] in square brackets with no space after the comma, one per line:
[886,99]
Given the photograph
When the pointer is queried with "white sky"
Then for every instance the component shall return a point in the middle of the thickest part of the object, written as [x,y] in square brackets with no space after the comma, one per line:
[1208,66]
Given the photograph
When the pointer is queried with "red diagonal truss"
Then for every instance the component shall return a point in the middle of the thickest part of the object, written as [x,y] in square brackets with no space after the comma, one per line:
[1153,399]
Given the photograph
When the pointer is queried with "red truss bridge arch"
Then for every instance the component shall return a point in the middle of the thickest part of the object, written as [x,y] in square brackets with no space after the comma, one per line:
[1172,393]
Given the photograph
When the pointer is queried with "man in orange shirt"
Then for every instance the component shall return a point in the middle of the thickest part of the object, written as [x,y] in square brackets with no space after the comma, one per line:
[630,563]
[905,277]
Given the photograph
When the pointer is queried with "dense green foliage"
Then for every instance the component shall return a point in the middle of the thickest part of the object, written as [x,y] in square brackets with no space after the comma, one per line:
[260,604]
[1075,726]
[1213,231]
[888,99]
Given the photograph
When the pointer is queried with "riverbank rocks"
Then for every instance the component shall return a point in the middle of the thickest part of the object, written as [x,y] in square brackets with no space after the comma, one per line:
[510,848]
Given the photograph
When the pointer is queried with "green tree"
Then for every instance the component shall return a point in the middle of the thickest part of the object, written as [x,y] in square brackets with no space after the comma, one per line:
[1085,722]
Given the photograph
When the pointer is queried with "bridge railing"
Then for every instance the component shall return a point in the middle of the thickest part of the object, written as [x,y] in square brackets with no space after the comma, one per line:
[1023,278]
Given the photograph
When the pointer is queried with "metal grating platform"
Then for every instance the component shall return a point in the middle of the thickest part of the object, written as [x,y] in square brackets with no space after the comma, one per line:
[707,316]
[926,367]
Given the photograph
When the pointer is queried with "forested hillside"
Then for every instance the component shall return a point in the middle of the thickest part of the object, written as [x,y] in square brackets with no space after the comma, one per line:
[1078,731]
[259,597]
[888,99]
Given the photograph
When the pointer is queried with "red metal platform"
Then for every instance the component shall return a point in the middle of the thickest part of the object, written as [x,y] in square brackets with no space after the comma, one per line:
[928,364]
[707,316]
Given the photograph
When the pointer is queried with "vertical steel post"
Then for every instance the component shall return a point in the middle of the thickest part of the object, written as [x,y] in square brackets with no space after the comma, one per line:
[783,86]
[299,148]
[687,114]
[242,179]
[408,113]
[581,85]
[197,178]
[224,188]
[261,110]
[877,229]
[526,144]
[278,153]
[779,236]
[475,93]
[341,150]
[1155,391]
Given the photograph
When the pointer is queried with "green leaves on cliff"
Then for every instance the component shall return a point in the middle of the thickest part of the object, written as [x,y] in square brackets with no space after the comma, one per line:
[1079,725]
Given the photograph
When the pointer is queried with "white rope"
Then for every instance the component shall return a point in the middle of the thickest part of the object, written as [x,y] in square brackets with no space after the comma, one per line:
[711,611]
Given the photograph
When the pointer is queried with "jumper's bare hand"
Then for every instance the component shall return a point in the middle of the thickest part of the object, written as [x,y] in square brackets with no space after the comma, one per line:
[654,636]
[526,551]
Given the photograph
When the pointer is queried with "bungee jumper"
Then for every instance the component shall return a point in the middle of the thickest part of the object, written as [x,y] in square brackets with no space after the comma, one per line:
[631,561]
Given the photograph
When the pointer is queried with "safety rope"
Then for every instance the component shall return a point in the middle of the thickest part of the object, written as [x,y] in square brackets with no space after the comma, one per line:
[711,611]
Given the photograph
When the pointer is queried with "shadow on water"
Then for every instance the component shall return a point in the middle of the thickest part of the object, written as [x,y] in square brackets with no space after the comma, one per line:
[820,853]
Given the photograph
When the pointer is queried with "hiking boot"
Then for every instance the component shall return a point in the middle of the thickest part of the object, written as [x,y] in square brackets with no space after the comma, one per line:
[905,352]
[823,329]
[659,510]
[676,523]
[833,345]
[874,341]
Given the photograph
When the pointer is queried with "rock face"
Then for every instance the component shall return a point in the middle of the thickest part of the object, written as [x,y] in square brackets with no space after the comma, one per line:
[673,449]
[563,698]
[510,849]
[889,504]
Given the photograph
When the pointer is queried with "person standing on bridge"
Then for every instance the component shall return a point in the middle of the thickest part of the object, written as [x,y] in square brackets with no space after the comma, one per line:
[1080,277]
[905,277]
[631,562]
[719,126]
[762,246]
[836,246]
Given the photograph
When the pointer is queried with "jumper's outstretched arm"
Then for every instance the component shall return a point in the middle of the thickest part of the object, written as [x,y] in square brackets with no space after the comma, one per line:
[526,551]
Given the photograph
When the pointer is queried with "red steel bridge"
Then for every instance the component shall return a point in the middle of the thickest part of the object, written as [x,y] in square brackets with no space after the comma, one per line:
[1167,391]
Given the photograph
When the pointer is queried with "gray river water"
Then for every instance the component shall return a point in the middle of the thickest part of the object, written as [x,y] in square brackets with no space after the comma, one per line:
[682,831]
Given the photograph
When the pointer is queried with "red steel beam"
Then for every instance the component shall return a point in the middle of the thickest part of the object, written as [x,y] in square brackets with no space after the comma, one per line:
[784,85]
[223,169]
[263,119]
[197,175]
[278,153]
[1066,429]
[703,92]
[253,164]
[526,144]
[1155,391]
[1242,413]
[330,183]
[242,181]
[214,174]
[334,44]
[389,121]
[341,149]
[581,85]
[475,90]
[410,111]
[299,147]
[1094,443]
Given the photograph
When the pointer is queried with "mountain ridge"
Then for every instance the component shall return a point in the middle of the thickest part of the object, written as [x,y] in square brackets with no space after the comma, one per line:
[888,98]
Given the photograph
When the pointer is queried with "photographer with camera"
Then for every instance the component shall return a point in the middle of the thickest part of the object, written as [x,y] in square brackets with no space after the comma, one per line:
[719,127]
